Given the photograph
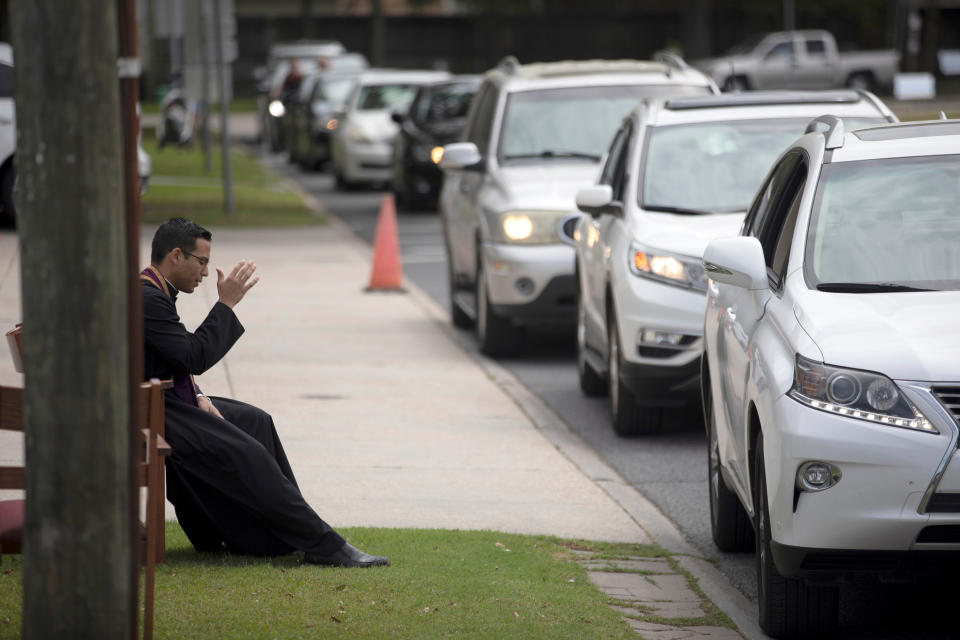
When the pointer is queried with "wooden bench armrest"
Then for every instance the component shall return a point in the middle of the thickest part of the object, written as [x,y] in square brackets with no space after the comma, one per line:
[12,478]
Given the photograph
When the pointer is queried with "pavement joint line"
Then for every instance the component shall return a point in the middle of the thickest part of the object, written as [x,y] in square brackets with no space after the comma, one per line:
[641,510]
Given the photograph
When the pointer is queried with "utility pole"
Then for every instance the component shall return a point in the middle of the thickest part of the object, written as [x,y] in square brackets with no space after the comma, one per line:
[205,81]
[77,541]
[378,34]
[224,106]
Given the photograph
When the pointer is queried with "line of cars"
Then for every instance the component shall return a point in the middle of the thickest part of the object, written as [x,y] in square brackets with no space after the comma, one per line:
[809,306]
[327,108]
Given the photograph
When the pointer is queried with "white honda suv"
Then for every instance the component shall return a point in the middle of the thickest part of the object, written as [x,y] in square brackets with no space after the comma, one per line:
[534,134]
[679,173]
[831,376]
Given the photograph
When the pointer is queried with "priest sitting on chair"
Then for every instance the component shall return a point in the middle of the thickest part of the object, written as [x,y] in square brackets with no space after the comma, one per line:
[228,476]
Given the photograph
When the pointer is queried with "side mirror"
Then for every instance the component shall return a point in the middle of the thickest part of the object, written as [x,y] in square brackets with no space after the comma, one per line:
[461,155]
[597,200]
[396,116]
[737,261]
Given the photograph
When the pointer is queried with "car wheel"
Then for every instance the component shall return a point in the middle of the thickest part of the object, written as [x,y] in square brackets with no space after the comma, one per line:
[789,607]
[8,217]
[591,382]
[729,522]
[341,182]
[458,316]
[497,335]
[629,419]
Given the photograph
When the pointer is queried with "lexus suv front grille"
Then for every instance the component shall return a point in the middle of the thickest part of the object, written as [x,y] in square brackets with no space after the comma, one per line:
[950,397]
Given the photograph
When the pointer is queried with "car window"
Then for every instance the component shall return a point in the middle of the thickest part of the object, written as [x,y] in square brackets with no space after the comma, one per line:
[776,235]
[613,156]
[334,90]
[393,97]
[766,200]
[482,121]
[782,51]
[890,221]
[447,102]
[816,48]
[712,166]
[619,183]
[6,81]
[572,123]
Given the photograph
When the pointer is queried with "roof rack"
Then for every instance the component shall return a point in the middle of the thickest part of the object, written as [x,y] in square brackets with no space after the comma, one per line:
[833,133]
[509,65]
[876,102]
[670,59]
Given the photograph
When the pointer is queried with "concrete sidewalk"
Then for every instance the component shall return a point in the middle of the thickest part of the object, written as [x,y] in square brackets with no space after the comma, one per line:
[389,421]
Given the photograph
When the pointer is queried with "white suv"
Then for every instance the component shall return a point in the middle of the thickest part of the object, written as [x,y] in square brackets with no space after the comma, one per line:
[831,376]
[678,174]
[534,134]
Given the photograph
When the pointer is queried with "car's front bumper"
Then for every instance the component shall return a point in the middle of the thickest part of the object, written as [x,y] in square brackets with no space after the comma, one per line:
[658,373]
[531,284]
[367,162]
[874,508]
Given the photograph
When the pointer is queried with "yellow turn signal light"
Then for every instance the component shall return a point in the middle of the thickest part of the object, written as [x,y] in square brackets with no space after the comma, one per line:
[435,154]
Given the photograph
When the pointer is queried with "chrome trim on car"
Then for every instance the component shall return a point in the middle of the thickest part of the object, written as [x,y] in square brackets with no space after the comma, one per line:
[922,394]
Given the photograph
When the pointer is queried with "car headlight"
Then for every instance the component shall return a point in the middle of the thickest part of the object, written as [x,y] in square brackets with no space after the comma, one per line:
[359,136]
[527,227]
[855,394]
[276,109]
[680,271]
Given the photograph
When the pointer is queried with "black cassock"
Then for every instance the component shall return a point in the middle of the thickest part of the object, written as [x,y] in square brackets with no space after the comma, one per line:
[229,479]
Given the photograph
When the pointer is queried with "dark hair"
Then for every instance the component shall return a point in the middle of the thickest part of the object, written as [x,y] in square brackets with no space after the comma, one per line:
[176,233]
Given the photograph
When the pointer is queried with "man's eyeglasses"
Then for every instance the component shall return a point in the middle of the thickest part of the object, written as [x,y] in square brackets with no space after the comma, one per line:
[203,261]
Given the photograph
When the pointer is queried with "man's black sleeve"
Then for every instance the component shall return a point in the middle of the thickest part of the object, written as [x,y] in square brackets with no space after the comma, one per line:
[186,352]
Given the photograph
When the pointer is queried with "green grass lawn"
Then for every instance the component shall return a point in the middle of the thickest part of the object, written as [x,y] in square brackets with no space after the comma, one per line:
[442,584]
[180,187]
[237,105]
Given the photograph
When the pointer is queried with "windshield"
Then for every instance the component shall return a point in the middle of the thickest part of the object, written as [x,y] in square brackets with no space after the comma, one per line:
[447,102]
[335,91]
[891,222]
[571,123]
[716,166]
[393,97]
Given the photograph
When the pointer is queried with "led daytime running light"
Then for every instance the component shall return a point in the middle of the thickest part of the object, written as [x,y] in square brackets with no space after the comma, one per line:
[919,423]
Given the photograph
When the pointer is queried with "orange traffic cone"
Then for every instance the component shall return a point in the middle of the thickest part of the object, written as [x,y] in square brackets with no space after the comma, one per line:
[387,274]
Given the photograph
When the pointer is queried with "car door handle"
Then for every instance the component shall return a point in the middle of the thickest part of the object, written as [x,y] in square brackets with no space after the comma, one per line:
[731,315]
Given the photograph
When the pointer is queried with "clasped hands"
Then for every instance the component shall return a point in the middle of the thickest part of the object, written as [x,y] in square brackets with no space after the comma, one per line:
[233,287]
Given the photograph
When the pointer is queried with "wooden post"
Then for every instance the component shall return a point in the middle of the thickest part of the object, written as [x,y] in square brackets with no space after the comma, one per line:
[77,551]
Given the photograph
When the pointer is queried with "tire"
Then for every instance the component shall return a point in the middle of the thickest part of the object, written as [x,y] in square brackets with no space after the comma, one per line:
[861,80]
[458,316]
[340,182]
[591,383]
[789,607]
[496,334]
[729,522]
[8,217]
[628,418]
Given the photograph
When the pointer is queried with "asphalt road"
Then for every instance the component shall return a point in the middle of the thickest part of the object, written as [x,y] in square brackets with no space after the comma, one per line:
[669,468]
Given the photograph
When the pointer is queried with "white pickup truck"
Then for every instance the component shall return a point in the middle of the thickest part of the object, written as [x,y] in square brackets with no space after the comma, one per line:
[806,59]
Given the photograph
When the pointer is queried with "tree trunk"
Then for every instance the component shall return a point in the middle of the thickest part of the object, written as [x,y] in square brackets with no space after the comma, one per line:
[77,548]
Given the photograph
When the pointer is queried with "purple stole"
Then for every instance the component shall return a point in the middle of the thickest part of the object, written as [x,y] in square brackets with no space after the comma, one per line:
[183,385]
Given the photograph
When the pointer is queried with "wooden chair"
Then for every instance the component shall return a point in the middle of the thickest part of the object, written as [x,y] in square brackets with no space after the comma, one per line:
[150,474]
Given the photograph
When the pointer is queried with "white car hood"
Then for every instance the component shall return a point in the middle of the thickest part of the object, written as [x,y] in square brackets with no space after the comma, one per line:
[686,235]
[906,336]
[550,186]
[375,125]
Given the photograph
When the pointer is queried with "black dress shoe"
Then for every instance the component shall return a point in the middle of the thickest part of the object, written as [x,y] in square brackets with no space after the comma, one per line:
[347,556]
